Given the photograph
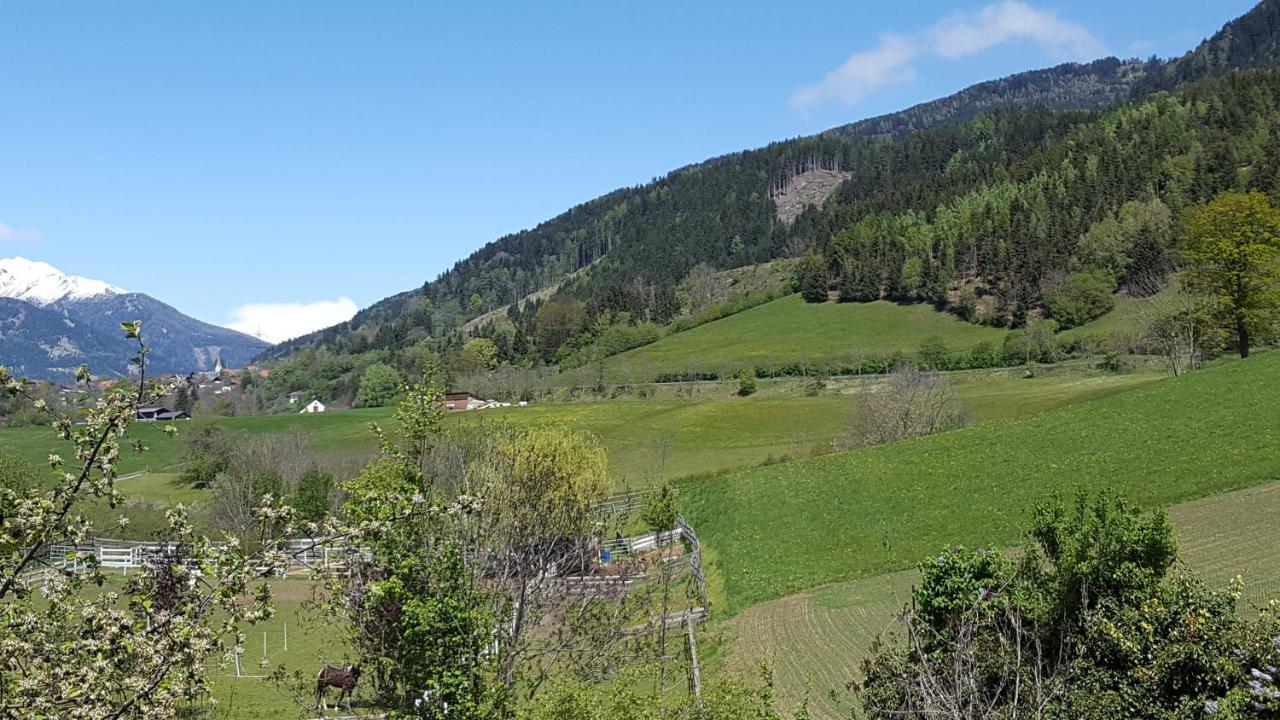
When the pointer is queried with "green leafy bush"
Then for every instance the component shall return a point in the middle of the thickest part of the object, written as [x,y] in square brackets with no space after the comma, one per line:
[1084,297]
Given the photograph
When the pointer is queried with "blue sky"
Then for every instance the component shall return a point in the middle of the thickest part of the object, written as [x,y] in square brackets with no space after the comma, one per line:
[245,160]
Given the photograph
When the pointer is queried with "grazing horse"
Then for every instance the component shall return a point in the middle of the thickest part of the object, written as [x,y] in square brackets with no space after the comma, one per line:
[344,679]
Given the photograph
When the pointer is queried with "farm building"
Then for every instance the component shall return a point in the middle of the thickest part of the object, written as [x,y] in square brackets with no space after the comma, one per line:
[315,406]
[466,401]
[160,414]
[461,401]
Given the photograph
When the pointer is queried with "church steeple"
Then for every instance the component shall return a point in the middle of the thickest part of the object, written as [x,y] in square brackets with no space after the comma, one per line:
[217,365]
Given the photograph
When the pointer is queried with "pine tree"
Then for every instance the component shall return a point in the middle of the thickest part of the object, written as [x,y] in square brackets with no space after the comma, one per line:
[811,278]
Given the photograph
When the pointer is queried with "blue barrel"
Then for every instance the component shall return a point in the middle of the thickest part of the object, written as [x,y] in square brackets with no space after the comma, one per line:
[605,555]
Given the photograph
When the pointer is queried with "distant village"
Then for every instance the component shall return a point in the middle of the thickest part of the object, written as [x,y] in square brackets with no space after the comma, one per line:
[228,381]
[217,392]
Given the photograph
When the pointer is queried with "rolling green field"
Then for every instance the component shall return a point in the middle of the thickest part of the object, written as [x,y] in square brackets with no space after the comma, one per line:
[779,530]
[789,330]
[814,642]
[720,432]
[711,432]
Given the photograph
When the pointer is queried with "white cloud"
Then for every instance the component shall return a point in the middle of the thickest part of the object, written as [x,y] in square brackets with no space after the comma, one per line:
[957,35]
[861,74]
[277,322]
[8,233]
[962,34]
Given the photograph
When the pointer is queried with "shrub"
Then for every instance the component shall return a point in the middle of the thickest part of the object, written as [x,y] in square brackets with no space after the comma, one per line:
[1086,622]
[914,403]
[1084,297]
[933,354]
[313,495]
[984,355]
[746,381]
[661,510]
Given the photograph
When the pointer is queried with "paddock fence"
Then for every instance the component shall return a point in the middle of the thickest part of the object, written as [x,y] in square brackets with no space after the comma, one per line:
[62,559]
[59,560]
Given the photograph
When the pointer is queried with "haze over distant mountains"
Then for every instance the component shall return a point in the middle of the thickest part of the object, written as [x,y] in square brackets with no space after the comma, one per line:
[51,323]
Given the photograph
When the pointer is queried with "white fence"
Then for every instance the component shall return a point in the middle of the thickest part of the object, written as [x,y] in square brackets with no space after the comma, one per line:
[310,553]
[126,555]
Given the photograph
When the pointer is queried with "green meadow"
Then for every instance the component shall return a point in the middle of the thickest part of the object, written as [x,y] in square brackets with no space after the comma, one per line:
[711,431]
[789,330]
[776,531]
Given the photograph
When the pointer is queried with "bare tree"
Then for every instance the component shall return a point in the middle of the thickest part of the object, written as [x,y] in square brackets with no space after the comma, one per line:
[1178,324]
[701,286]
[258,465]
[992,663]
[911,403]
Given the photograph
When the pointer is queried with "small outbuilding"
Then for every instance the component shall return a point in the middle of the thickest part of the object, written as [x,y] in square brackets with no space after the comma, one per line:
[461,400]
[315,406]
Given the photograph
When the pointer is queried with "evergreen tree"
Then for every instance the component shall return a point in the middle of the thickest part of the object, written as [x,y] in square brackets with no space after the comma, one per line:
[811,278]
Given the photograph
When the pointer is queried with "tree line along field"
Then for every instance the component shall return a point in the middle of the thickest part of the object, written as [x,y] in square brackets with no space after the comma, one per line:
[814,641]
[775,531]
[648,440]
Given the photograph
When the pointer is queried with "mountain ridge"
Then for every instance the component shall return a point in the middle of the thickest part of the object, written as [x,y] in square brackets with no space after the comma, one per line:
[42,284]
[51,323]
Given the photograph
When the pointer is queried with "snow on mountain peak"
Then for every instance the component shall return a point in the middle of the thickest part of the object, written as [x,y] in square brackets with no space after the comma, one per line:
[43,284]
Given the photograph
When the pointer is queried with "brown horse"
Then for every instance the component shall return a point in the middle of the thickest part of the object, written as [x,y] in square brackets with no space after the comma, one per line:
[344,679]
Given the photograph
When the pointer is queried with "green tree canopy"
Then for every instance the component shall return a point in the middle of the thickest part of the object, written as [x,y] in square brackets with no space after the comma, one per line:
[479,354]
[1091,621]
[1233,250]
[380,385]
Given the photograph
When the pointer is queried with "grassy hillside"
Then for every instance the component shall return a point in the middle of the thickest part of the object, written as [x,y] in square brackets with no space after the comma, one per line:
[779,530]
[789,330]
[814,642]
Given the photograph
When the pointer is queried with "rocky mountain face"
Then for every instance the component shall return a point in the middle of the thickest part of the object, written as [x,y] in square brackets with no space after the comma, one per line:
[51,323]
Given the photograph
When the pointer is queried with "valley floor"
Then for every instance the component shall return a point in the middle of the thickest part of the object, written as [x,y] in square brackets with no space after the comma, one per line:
[683,430]
[810,559]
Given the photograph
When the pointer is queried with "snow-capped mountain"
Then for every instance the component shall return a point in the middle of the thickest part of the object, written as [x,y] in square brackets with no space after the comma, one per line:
[51,323]
[43,284]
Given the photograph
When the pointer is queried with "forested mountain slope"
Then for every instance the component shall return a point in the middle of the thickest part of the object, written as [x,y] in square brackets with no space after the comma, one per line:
[1064,87]
[1033,164]
[717,212]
